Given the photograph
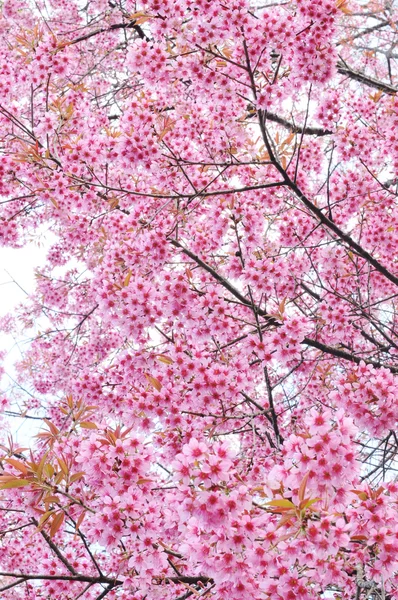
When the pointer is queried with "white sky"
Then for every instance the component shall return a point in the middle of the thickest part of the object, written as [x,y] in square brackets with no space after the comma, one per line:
[18,264]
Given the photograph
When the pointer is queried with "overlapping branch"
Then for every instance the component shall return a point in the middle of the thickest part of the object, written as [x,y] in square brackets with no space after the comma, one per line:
[344,69]
[97,580]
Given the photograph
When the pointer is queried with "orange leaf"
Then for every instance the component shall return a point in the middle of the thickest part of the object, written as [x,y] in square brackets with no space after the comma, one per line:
[285,520]
[59,478]
[306,503]
[127,279]
[56,524]
[77,476]
[88,425]
[50,499]
[378,492]
[45,516]
[80,520]
[40,466]
[63,465]
[282,306]
[361,495]
[54,430]
[303,485]
[155,382]
[17,464]
[165,359]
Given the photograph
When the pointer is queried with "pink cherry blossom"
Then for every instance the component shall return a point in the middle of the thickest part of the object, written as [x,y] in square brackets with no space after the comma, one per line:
[210,349]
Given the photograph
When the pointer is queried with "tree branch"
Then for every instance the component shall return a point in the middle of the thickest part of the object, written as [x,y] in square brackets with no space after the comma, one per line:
[43,576]
[271,321]
[347,355]
[228,286]
[344,69]
[11,585]
[333,227]
[56,550]
[190,580]
[318,131]
[115,26]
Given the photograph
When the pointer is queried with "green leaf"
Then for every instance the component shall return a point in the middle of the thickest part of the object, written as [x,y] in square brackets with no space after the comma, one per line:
[14,483]
[281,503]
[360,494]
[88,425]
[309,503]
[45,516]
[48,470]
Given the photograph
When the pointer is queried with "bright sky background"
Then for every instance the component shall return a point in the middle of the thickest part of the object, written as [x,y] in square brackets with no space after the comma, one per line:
[18,264]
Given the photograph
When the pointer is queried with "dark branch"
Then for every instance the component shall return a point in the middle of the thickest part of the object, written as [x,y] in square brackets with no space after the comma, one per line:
[190,580]
[228,286]
[333,227]
[344,69]
[319,131]
[56,551]
[115,26]
[347,355]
